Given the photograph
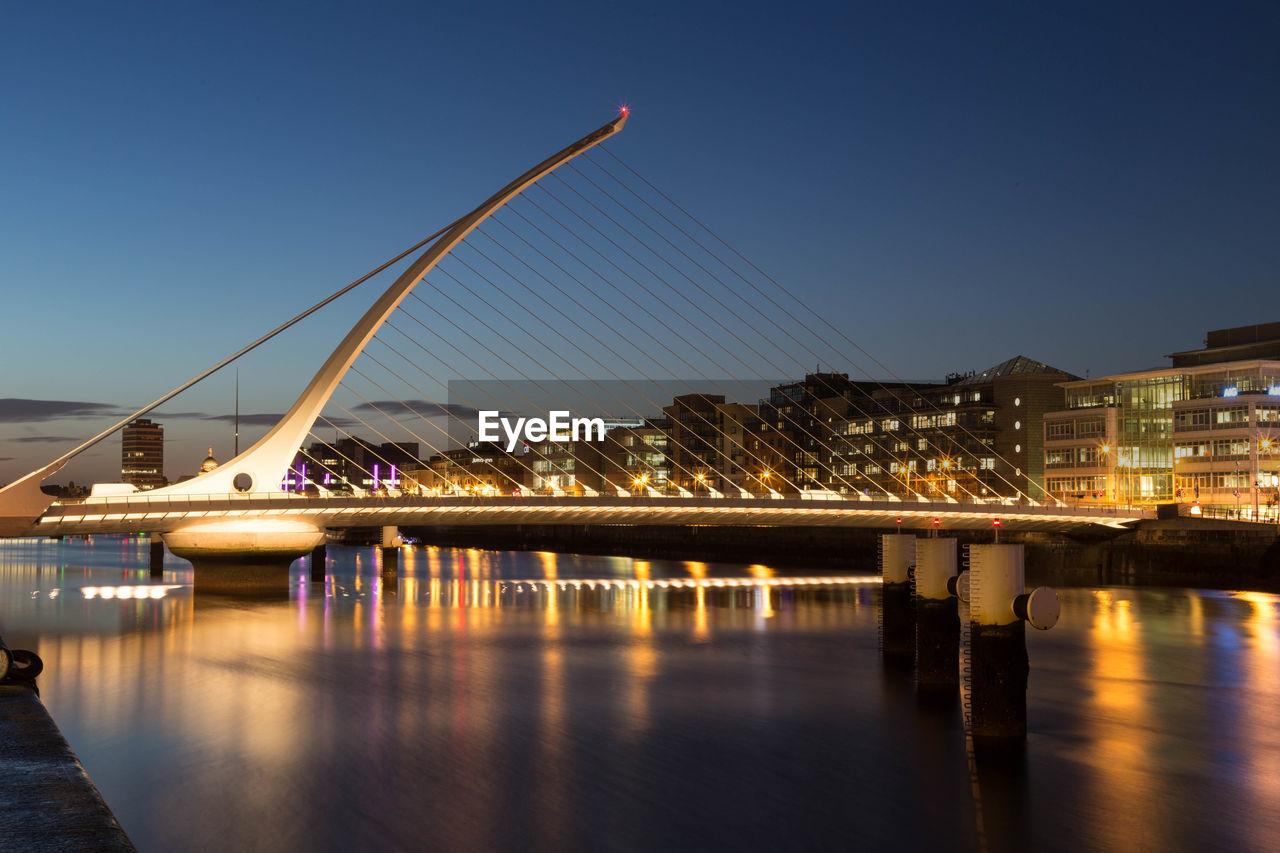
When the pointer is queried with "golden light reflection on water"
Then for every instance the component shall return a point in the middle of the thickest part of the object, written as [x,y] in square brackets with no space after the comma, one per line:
[1120,694]
[368,661]
[1261,720]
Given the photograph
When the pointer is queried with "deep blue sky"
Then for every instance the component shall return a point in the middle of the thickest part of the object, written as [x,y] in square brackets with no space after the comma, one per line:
[1092,185]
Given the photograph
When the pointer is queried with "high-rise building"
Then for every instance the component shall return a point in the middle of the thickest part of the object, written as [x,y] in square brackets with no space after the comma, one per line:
[142,454]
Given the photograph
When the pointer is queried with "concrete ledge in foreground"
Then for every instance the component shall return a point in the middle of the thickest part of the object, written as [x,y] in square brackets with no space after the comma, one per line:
[47,801]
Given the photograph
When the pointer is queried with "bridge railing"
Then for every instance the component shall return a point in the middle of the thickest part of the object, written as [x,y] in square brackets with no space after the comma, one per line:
[142,504]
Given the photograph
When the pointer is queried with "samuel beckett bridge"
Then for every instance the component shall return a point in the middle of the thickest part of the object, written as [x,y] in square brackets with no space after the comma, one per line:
[578,265]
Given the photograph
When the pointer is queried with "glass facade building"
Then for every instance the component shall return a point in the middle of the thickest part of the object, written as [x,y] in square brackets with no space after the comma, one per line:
[1200,435]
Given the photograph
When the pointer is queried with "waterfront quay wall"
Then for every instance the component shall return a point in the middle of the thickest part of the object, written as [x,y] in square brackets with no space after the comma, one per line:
[47,801]
[1165,552]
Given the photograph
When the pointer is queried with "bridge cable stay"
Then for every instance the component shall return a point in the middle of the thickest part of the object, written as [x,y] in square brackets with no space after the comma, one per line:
[648,291]
[441,270]
[444,271]
[333,447]
[574,322]
[375,407]
[720,302]
[711,317]
[568,340]
[618,335]
[520,461]
[498,220]
[458,259]
[320,464]
[841,355]
[715,319]
[473,428]
[823,320]
[483,345]
[497,470]
[638,326]
[798,447]
[909,426]
[824,402]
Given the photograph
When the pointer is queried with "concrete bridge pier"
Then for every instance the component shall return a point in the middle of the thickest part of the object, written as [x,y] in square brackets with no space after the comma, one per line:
[999,610]
[244,557]
[937,619]
[897,617]
[157,555]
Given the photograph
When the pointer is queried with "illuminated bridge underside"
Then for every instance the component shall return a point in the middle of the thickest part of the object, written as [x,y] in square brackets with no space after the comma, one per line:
[158,515]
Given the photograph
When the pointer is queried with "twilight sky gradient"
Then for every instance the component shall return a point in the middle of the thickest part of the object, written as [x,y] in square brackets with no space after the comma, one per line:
[1092,185]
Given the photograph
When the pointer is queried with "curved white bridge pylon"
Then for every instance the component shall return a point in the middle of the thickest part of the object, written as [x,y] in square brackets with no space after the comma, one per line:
[263,466]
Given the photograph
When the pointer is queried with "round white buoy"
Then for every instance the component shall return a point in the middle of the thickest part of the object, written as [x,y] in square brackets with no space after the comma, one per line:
[1041,607]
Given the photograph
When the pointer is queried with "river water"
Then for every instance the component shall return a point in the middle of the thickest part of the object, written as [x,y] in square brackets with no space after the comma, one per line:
[484,701]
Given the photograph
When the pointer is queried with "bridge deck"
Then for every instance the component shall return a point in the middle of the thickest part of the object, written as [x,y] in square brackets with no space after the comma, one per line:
[158,515]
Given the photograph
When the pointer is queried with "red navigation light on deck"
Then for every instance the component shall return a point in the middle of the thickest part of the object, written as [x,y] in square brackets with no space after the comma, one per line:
[899,521]
[936,522]
[995,522]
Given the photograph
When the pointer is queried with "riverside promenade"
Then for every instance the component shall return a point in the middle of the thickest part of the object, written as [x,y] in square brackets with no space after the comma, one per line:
[47,801]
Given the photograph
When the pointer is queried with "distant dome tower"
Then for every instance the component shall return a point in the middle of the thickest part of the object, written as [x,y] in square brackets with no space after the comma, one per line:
[209,464]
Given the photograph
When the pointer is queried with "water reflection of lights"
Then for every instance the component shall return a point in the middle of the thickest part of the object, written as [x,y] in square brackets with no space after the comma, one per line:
[134,591]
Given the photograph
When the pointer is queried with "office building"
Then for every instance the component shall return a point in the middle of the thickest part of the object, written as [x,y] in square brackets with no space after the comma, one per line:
[142,454]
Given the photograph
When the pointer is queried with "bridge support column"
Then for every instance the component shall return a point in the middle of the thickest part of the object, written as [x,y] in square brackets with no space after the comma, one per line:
[999,609]
[390,546]
[157,555]
[897,620]
[318,562]
[244,557]
[937,619]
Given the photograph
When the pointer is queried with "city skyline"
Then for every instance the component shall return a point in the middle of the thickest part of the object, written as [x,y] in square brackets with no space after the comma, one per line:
[1063,189]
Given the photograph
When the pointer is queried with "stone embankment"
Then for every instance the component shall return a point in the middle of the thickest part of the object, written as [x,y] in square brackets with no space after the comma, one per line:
[47,801]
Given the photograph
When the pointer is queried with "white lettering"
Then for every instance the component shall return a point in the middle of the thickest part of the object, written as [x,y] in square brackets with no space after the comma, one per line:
[558,427]
[559,423]
[535,429]
[488,426]
[513,433]
[587,425]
